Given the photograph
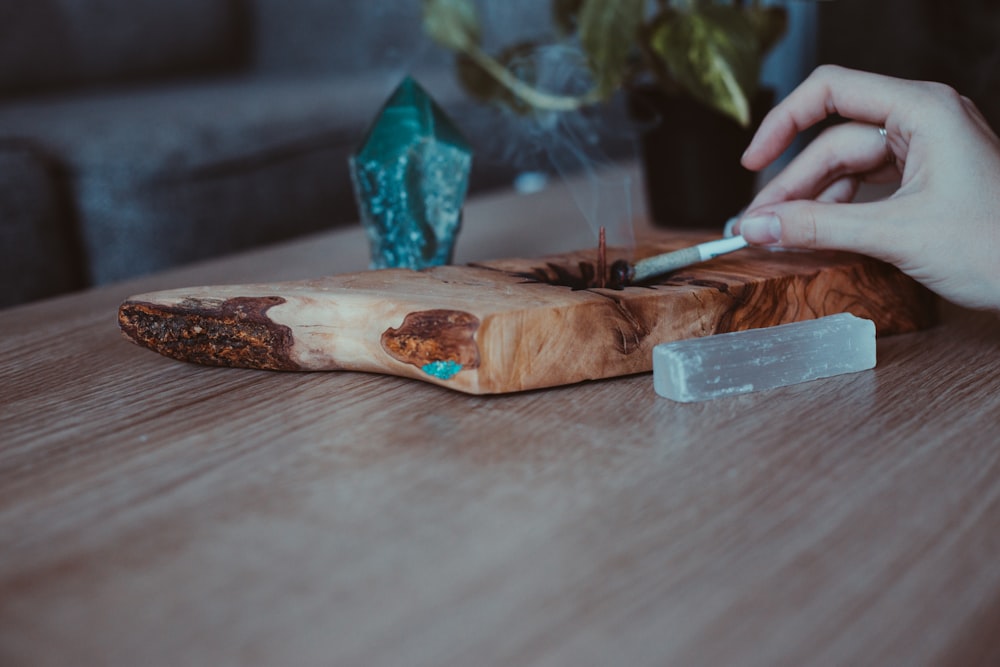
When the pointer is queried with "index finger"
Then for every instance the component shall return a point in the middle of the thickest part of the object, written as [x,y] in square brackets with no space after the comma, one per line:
[861,96]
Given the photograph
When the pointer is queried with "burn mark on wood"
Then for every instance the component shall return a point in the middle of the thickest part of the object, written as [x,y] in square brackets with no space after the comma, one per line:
[430,336]
[585,276]
[561,276]
[235,332]
[591,274]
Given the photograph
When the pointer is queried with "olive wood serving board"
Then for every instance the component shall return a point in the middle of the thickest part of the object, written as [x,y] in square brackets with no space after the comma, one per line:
[503,325]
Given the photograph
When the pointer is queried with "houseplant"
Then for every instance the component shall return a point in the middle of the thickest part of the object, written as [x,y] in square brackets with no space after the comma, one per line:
[683,63]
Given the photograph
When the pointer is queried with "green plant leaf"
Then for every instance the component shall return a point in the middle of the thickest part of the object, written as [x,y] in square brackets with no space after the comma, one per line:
[608,31]
[453,24]
[714,54]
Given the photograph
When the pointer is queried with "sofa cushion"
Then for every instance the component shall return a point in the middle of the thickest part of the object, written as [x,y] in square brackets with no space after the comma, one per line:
[178,173]
[40,256]
[61,43]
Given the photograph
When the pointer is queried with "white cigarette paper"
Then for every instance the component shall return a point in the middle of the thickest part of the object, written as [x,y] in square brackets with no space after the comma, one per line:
[678,259]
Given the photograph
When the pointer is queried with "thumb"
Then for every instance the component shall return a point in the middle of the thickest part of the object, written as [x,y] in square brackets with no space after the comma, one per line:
[811,224]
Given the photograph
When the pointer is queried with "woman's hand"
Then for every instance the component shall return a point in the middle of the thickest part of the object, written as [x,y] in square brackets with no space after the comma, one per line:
[941,226]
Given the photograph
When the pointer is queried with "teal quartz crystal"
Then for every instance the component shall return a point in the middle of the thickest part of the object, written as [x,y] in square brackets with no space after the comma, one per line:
[410,178]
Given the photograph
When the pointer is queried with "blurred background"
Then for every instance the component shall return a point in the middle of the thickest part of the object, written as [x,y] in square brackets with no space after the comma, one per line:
[136,135]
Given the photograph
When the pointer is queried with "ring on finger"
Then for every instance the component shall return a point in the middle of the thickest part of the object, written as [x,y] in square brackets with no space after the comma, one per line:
[890,157]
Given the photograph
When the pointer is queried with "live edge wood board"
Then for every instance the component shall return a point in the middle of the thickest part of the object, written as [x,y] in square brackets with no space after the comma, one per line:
[513,324]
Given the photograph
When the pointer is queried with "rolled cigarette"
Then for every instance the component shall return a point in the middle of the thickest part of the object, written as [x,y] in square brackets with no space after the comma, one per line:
[657,265]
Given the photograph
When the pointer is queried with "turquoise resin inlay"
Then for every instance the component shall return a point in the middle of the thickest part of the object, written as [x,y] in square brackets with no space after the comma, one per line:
[410,178]
[442,370]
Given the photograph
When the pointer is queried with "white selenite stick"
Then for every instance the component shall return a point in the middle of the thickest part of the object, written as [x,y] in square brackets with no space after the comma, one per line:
[698,369]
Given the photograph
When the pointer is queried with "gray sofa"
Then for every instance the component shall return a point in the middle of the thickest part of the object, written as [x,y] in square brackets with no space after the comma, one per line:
[140,134]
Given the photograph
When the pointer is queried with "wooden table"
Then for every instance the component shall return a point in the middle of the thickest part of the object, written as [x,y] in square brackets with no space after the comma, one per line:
[158,513]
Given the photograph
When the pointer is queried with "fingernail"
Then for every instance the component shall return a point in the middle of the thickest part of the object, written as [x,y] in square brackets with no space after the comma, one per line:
[761,229]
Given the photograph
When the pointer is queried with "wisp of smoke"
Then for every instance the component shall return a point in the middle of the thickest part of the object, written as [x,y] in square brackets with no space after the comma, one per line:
[570,143]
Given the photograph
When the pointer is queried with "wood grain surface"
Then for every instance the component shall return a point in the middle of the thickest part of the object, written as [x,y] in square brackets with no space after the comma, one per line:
[162,513]
[511,325]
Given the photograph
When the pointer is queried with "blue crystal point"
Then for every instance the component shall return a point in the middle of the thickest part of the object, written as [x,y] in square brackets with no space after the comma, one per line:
[410,178]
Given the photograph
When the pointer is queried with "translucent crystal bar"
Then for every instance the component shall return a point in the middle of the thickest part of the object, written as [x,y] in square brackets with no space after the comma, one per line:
[699,369]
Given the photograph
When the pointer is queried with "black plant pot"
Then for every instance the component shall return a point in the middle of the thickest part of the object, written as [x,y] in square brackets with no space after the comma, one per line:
[691,158]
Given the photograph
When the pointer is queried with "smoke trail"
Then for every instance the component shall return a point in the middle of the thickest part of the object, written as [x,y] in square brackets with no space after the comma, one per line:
[571,144]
